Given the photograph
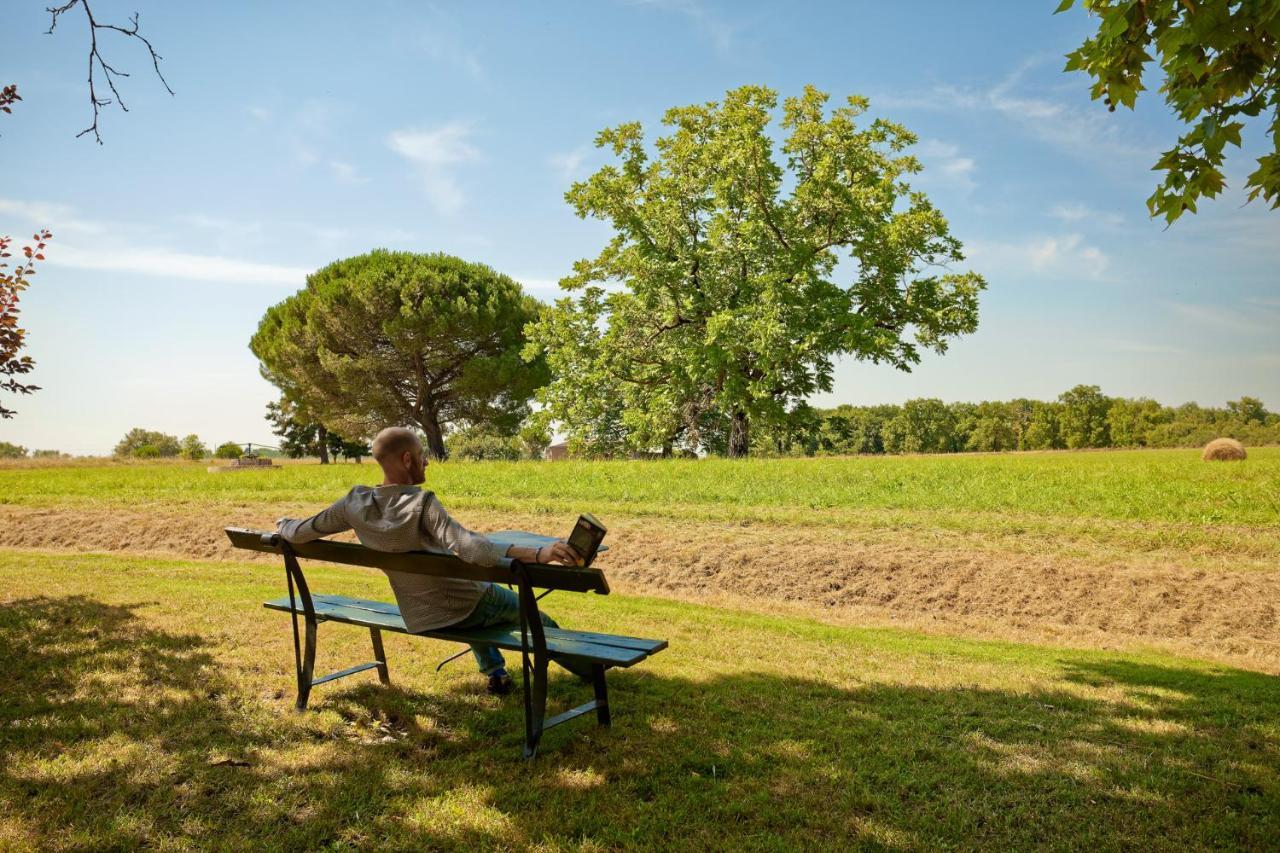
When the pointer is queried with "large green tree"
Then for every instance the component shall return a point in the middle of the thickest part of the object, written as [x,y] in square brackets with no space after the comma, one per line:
[395,337]
[1220,64]
[743,276]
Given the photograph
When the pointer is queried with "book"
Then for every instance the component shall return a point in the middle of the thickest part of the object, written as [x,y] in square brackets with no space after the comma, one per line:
[586,537]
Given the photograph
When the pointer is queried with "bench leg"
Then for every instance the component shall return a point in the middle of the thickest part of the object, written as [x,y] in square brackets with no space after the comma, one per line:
[380,656]
[602,694]
[535,704]
[308,666]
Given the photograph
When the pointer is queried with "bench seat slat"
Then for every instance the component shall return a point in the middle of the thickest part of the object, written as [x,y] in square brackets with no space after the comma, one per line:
[584,644]
[647,646]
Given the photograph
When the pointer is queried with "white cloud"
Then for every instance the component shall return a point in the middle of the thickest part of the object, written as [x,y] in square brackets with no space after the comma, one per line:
[434,152]
[1141,347]
[1086,133]
[943,164]
[165,262]
[345,172]
[569,164]
[720,31]
[1227,319]
[1075,212]
[260,113]
[1054,256]
[58,218]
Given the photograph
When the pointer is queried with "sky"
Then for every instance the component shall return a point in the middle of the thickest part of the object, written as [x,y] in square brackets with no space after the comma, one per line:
[301,133]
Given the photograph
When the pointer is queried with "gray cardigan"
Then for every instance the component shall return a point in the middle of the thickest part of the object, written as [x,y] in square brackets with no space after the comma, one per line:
[405,518]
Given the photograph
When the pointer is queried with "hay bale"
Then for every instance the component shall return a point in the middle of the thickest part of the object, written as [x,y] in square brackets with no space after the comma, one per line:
[1223,450]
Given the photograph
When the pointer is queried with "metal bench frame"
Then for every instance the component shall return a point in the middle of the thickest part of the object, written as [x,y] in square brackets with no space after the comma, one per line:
[534,654]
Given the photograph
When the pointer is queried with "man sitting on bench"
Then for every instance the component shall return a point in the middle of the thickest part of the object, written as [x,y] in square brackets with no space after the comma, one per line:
[398,516]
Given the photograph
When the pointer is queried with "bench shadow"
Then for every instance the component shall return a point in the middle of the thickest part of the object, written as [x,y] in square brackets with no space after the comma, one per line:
[120,735]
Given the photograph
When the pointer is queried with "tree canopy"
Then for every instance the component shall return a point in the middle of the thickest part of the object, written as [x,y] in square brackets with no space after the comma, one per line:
[401,338]
[733,280]
[1220,64]
[13,338]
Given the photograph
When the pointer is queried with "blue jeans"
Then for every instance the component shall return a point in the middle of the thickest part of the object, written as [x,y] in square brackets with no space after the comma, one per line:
[500,606]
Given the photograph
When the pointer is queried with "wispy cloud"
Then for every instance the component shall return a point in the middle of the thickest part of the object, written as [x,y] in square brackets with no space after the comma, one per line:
[1141,347]
[171,264]
[1085,133]
[1076,212]
[568,165]
[716,28]
[434,153]
[1052,256]
[944,166]
[1227,319]
[59,218]
[444,45]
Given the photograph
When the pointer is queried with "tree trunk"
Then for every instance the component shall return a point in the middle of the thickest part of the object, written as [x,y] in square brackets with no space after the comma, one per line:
[435,436]
[323,438]
[739,438]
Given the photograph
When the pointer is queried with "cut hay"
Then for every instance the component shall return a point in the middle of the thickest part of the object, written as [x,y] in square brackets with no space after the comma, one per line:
[1223,450]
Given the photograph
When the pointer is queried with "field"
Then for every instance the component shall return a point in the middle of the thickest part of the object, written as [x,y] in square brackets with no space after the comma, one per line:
[1063,650]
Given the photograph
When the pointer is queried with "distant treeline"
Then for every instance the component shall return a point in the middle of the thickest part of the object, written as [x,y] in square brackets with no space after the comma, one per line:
[1080,418]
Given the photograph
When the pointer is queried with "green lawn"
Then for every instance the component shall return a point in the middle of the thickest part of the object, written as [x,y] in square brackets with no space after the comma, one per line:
[1157,485]
[148,702]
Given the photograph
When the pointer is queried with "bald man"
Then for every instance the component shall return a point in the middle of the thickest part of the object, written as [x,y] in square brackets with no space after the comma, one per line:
[398,516]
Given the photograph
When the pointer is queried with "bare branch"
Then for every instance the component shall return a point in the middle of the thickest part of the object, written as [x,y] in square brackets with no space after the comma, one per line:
[96,61]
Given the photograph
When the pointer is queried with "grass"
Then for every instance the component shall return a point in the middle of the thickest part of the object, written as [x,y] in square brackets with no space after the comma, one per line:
[1131,486]
[148,702]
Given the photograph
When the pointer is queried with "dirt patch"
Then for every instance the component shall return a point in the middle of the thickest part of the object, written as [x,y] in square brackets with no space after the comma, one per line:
[949,585]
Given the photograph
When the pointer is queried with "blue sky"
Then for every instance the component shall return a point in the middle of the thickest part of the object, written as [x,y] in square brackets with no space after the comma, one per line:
[302,133]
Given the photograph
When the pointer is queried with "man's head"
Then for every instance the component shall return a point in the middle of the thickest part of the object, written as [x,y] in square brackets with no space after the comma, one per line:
[399,452]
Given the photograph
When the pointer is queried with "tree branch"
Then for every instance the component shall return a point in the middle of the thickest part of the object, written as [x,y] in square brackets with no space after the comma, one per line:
[96,60]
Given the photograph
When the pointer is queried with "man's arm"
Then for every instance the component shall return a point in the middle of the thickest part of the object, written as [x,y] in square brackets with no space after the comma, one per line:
[325,523]
[476,548]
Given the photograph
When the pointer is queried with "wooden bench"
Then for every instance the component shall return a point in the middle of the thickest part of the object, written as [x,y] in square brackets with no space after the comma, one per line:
[536,643]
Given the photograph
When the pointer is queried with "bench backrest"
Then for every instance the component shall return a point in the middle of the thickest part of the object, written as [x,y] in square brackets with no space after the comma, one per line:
[438,564]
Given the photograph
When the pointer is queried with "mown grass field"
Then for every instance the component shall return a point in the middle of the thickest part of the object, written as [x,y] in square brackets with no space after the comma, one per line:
[148,703]
[1164,486]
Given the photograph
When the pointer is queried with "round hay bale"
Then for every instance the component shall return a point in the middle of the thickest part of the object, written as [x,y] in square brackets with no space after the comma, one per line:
[1223,450]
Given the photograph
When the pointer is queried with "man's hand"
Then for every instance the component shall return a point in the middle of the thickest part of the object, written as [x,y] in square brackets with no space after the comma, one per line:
[558,552]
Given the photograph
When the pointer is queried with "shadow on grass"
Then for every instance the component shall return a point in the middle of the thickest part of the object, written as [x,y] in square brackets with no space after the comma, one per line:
[119,735]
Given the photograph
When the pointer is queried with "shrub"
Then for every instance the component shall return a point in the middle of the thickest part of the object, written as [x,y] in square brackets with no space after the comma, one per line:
[193,448]
[228,450]
[12,451]
[48,454]
[481,445]
[137,438]
[147,451]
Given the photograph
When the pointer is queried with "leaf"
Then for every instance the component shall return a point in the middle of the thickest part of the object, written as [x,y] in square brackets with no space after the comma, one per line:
[1064,6]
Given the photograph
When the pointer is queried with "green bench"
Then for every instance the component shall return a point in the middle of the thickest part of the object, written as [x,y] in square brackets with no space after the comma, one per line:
[536,643]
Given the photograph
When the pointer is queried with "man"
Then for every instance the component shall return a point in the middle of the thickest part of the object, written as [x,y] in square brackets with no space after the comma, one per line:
[398,516]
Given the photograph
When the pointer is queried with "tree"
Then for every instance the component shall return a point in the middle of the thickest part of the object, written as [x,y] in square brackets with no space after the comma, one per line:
[12,451]
[1219,60]
[922,426]
[97,63]
[138,438]
[734,301]
[479,445]
[228,450]
[395,337]
[12,337]
[193,448]
[299,436]
[1248,410]
[1082,420]
[989,427]
[1129,422]
[1043,431]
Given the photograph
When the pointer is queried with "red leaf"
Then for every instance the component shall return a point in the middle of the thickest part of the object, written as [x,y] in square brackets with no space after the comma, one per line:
[39,257]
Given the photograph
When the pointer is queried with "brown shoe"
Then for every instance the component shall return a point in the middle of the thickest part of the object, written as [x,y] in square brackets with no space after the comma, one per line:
[500,684]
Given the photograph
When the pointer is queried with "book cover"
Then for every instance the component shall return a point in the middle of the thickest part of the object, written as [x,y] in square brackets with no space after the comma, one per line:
[586,537]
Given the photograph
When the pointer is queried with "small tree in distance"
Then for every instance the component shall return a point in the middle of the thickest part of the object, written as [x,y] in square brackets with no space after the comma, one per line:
[137,438]
[228,450]
[193,448]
